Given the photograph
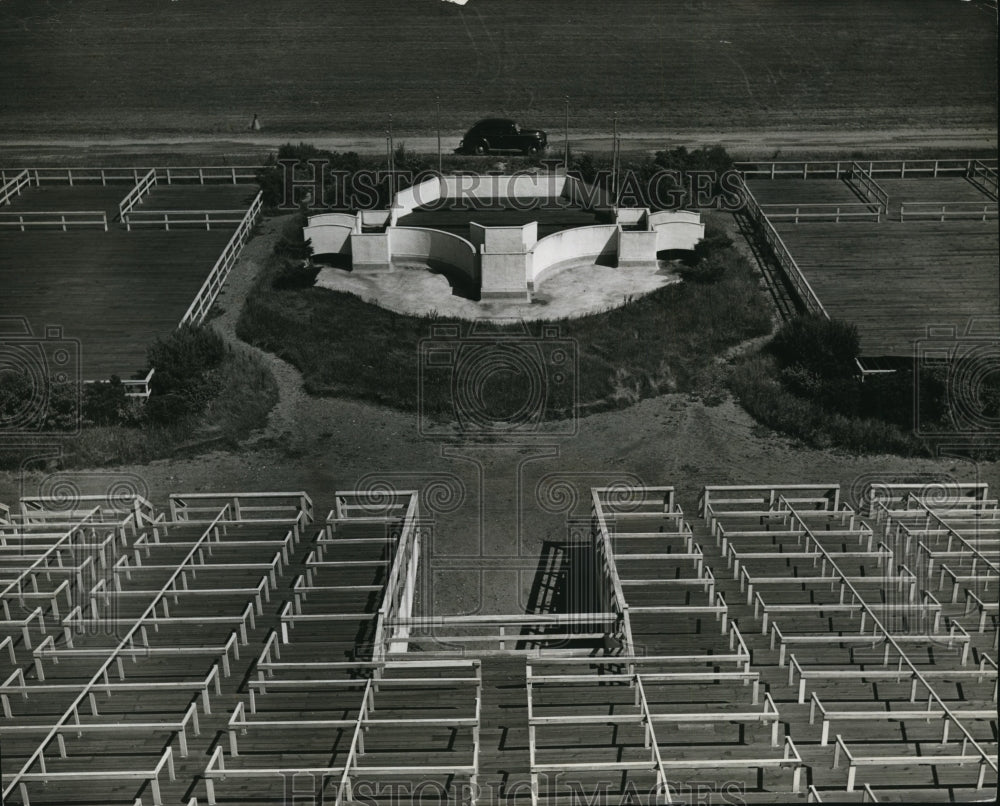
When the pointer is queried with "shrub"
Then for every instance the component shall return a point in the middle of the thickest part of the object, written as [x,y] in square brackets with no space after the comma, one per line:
[758,385]
[24,406]
[295,275]
[710,269]
[827,348]
[182,384]
[106,403]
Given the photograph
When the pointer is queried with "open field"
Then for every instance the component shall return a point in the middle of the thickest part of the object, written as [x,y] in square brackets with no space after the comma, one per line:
[797,191]
[62,198]
[114,291]
[198,197]
[895,279]
[111,69]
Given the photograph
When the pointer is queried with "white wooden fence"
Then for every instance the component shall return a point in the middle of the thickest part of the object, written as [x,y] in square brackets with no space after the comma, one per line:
[202,175]
[13,187]
[134,197]
[210,289]
[60,219]
[182,218]
[838,169]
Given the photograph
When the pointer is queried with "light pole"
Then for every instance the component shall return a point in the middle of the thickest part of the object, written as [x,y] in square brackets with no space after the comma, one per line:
[614,161]
[566,129]
[437,107]
[392,162]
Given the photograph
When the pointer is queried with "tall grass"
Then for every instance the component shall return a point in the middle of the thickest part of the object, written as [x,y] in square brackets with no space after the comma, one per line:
[658,343]
[756,383]
[243,393]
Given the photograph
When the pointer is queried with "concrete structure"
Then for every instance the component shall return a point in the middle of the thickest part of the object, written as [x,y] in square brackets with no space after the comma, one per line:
[502,262]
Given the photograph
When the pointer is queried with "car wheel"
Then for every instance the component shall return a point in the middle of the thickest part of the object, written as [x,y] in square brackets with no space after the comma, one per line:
[480,148]
[532,150]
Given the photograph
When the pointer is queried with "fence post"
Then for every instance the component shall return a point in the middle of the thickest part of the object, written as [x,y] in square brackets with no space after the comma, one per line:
[234,175]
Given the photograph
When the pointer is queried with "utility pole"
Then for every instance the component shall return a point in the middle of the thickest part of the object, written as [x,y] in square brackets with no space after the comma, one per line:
[392,162]
[437,106]
[614,161]
[566,148]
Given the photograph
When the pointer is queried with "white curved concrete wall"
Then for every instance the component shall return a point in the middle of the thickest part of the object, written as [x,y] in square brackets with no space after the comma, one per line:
[342,219]
[422,193]
[432,244]
[330,233]
[586,196]
[485,187]
[479,188]
[676,229]
[571,244]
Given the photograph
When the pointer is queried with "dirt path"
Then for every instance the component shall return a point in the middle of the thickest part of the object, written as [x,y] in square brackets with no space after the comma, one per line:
[292,395]
[491,504]
[748,143]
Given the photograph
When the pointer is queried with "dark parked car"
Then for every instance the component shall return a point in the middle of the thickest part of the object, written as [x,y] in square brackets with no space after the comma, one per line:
[500,134]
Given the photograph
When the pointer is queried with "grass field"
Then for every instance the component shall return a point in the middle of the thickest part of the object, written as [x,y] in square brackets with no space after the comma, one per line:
[117,68]
[797,191]
[199,197]
[894,280]
[114,291]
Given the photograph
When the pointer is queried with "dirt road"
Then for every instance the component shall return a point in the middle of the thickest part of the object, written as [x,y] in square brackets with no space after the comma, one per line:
[746,144]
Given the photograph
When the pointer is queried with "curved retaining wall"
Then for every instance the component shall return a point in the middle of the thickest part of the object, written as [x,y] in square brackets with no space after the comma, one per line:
[432,244]
[408,200]
[558,249]
[330,233]
[676,229]
[478,188]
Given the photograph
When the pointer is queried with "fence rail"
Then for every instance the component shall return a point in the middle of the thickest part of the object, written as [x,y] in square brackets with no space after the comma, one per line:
[785,260]
[984,177]
[182,218]
[209,290]
[134,197]
[13,187]
[838,169]
[213,174]
[864,183]
[64,219]
[948,211]
[852,211]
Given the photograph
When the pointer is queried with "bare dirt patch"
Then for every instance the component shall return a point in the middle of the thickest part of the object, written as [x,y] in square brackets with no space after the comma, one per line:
[577,290]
